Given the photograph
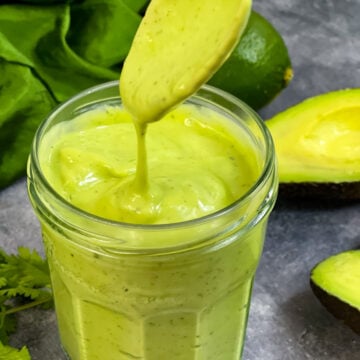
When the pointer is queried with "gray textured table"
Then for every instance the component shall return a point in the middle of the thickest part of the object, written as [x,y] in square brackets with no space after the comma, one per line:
[286,321]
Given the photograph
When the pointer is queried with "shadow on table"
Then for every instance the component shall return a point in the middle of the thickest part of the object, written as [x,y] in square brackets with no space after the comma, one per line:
[316,331]
[288,203]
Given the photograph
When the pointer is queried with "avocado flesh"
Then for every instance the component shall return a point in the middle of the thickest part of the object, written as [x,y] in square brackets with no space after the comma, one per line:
[317,144]
[336,283]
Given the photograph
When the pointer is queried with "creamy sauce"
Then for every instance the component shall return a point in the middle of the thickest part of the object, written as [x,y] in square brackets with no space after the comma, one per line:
[178,47]
[187,306]
[196,165]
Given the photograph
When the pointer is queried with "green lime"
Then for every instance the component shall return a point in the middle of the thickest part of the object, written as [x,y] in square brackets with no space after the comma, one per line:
[259,67]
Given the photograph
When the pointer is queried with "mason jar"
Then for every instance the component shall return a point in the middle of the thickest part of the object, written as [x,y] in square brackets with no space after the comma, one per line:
[178,291]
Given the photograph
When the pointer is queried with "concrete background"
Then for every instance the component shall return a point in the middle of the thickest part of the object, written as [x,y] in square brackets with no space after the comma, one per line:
[286,321]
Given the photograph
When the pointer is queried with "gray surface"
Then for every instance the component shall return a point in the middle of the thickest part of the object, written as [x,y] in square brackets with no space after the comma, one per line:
[286,321]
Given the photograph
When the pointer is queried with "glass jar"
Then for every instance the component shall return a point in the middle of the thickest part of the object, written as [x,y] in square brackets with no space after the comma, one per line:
[176,291]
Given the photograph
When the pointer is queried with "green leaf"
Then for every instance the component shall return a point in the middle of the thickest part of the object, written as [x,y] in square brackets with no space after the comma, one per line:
[137,5]
[10,353]
[50,51]
[39,2]
[39,33]
[7,326]
[25,274]
[24,103]
[19,127]
[102,31]
[24,283]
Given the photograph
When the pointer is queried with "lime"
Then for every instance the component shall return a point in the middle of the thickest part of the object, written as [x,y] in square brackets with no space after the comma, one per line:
[259,67]
[178,46]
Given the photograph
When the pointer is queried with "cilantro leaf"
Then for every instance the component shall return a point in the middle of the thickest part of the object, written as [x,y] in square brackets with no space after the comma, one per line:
[7,326]
[25,275]
[10,353]
[24,283]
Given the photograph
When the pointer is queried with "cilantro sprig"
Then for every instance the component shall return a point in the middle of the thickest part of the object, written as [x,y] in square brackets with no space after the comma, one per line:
[24,284]
[10,353]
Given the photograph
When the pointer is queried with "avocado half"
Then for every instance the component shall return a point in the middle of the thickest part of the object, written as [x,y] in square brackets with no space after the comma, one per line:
[317,144]
[336,283]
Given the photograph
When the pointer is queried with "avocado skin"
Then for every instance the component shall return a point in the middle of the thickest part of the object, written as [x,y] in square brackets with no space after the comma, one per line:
[339,309]
[344,191]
